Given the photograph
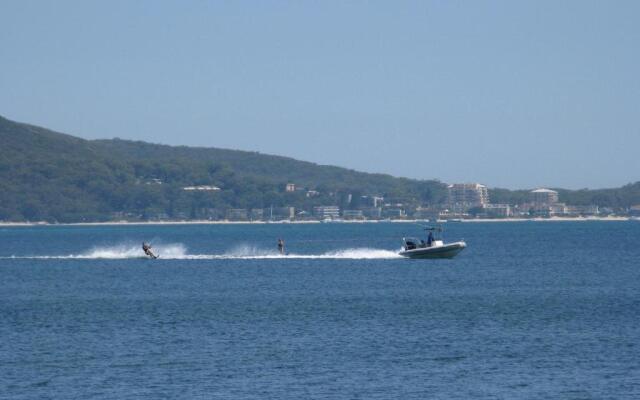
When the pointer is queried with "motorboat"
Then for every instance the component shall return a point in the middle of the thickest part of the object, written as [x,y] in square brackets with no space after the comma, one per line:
[438,249]
[433,247]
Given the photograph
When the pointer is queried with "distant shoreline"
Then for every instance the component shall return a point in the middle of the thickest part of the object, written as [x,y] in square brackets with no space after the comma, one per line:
[206,222]
[552,219]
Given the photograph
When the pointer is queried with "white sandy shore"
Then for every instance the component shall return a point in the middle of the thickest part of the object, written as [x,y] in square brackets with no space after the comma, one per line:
[552,219]
[206,222]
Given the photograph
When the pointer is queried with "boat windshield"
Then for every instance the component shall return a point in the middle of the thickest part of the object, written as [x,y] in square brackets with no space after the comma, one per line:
[412,243]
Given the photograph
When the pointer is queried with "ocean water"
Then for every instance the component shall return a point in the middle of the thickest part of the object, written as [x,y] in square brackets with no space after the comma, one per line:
[530,310]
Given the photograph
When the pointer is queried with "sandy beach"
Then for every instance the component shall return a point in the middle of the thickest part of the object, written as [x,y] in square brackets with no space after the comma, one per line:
[225,222]
[552,219]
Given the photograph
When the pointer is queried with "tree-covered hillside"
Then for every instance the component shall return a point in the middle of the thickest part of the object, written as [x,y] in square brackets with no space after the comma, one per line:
[50,176]
[615,198]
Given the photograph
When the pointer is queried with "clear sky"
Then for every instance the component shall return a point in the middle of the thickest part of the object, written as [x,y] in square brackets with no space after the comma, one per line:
[508,93]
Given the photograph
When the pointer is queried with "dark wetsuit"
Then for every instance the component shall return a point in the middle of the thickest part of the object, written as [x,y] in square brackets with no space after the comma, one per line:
[147,250]
[281,246]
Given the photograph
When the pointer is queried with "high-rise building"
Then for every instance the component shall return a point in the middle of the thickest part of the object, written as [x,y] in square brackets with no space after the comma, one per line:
[463,196]
[544,197]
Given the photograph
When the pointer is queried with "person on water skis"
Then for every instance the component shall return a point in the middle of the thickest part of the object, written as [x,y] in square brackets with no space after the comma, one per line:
[146,247]
[281,246]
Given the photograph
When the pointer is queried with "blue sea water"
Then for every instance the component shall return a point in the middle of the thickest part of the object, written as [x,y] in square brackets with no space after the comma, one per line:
[530,310]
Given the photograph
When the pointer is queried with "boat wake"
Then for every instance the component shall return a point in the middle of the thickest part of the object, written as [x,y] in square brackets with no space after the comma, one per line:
[178,251]
[360,253]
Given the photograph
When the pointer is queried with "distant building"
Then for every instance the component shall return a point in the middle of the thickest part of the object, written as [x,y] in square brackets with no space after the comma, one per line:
[352,214]
[157,216]
[324,212]
[558,209]
[287,212]
[372,212]
[463,196]
[582,211]
[426,213]
[256,214]
[372,201]
[605,210]
[237,214]
[279,213]
[303,215]
[543,197]
[313,193]
[349,198]
[201,187]
[498,210]
[393,213]
[544,203]
[549,210]
[291,187]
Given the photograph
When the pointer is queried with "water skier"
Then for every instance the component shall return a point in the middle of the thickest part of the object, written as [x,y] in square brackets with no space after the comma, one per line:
[146,247]
[281,246]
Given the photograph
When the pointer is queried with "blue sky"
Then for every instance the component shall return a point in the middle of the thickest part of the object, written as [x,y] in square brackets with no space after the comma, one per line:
[507,93]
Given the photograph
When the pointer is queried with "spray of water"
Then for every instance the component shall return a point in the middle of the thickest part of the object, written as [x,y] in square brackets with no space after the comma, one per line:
[177,251]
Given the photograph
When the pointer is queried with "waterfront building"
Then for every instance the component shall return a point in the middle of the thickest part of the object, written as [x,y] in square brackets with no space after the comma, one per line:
[304,216]
[312,193]
[352,214]
[202,188]
[548,210]
[257,214]
[426,213]
[237,214]
[543,197]
[372,212]
[463,196]
[372,201]
[582,211]
[558,209]
[498,210]
[279,213]
[393,213]
[324,212]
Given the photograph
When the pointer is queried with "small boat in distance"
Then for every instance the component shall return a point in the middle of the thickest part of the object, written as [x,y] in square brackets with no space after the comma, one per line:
[434,247]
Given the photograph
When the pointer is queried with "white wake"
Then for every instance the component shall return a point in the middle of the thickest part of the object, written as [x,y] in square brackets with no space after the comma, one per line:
[248,252]
[177,251]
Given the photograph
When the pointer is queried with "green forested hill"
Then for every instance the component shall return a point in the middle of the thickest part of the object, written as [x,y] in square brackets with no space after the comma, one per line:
[50,176]
[616,198]
[272,169]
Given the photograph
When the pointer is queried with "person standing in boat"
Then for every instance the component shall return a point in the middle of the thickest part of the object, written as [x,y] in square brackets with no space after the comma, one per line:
[281,246]
[430,239]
